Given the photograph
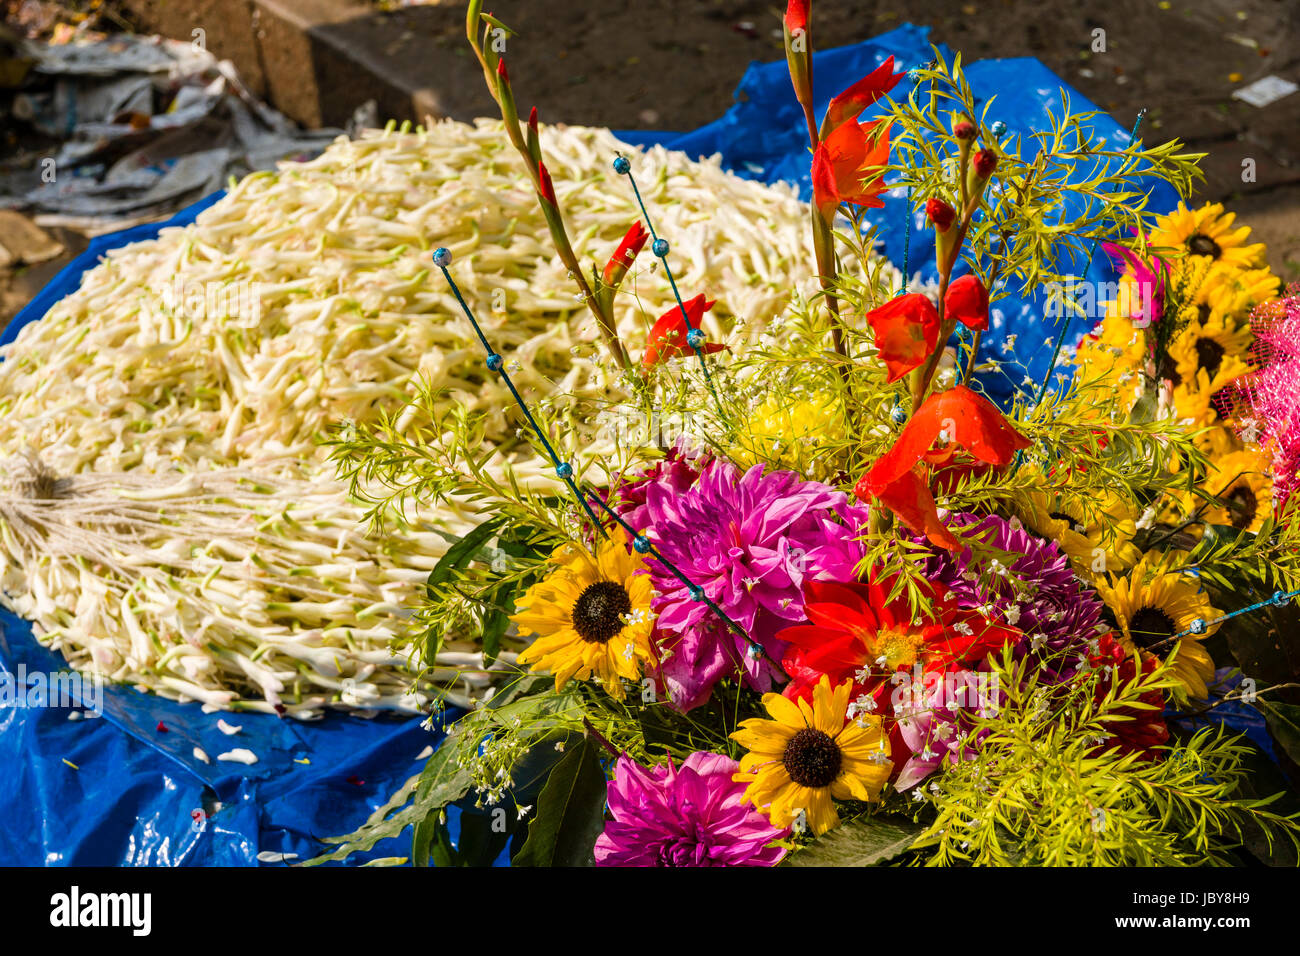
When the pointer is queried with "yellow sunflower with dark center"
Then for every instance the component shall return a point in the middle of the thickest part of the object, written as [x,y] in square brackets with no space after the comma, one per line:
[591,616]
[1156,607]
[1234,292]
[1207,232]
[807,756]
[1194,407]
[1213,343]
[1241,481]
[1097,538]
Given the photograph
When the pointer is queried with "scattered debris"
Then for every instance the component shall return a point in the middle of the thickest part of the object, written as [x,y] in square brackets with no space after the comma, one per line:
[140,126]
[1265,91]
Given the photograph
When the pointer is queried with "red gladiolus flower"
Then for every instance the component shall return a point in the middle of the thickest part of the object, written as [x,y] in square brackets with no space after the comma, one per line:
[1146,728]
[796,15]
[547,189]
[967,301]
[667,338]
[906,329]
[972,422]
[633,241]
[940,213]
[502,72]
[854,632]
[850,104]
[909,497]
[848,166]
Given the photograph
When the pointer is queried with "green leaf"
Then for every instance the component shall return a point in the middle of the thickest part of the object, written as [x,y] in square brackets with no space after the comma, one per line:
[1284,722]
[866,841]
[570,812]
[460,554]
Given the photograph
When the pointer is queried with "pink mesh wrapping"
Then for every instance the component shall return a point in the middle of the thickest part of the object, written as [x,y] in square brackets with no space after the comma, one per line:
[1266,404]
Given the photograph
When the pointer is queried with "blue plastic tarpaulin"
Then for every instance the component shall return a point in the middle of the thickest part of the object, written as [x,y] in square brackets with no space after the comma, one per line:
[132,797]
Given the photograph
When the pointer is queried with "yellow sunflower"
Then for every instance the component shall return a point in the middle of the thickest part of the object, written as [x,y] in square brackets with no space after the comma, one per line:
[1153,604]
[1214,343]
[1207,232]
[1096,539]
[1193,403]
[806,756]
[591,616]
[1241,480]
[1235,292]
[1113,357]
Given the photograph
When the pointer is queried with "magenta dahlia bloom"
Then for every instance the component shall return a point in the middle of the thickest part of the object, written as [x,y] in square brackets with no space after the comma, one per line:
[748,541]
[685,816]
[1034,590]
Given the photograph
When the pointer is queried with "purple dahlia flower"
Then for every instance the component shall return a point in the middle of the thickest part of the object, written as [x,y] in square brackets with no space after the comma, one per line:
[749,541]
[1036,592]
[685,816]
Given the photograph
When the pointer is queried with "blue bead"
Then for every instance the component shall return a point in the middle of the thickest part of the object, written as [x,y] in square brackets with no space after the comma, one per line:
[1279,598]
[697,594]
[493,362]
[898,415]
[659,247]
[641,544]
[622,166]
[755,651]
[914,76]
[1199,626]
[695,338]
[998,128]
[442,257]
[564,470]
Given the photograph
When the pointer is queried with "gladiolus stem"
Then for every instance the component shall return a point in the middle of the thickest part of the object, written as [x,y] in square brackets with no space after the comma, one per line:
[498,82]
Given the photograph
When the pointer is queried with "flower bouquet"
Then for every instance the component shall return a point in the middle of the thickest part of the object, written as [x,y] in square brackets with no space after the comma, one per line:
[818,599]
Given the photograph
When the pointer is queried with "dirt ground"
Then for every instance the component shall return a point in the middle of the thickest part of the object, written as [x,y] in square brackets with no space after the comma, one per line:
[674,64]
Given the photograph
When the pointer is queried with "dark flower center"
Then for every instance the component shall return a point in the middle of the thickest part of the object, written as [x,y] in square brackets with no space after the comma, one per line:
[1070,521]
[812,758]
[1150,625]
[1242,505]
[598,612]
[1209,355]
[1169,370]
[1202,245]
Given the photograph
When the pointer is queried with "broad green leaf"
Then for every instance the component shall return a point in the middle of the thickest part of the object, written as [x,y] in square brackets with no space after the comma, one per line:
[867,841]
[570,812]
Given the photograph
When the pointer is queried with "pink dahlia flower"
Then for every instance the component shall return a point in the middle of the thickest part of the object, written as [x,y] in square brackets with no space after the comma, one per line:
[749,542]
[685,816]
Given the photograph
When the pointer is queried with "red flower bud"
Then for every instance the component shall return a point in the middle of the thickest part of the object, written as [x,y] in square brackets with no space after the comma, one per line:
[985,162]
[502,72]
[532,120]
[796,15]
[963,130]
[546,188]
[940,213]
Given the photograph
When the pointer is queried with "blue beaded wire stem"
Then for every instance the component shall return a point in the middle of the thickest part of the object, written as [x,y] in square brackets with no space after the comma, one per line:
[494,362]
[907,244]
[659,247]
[1201,626]
[642,544]
[1069,318]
